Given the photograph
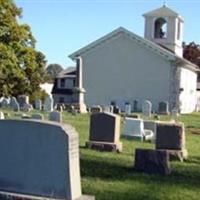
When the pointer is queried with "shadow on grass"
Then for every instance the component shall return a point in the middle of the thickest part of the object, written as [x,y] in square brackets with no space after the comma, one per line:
[183,174]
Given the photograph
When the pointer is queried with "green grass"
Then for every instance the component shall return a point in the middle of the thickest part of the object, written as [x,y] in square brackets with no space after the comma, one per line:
[110,176]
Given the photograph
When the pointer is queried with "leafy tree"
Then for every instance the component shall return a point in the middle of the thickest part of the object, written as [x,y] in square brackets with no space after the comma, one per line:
[53,70]
[21,66]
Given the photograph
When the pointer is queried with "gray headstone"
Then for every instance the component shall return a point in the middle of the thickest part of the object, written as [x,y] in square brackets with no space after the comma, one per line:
[14,104]
[38,104]
[55,116]
[40,159]
[128,109]
[5,102]
[152,161]
[147,108]
[104,127]
[27,107]
[23,99]
[163,107]
[48,104]
[37,116]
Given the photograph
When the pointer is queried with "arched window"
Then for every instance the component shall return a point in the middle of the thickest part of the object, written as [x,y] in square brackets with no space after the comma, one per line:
[160,28]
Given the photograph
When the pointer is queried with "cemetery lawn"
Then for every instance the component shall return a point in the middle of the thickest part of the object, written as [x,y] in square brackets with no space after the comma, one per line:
[110,176]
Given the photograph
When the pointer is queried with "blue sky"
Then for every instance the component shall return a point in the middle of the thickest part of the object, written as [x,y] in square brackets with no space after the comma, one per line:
[63,26]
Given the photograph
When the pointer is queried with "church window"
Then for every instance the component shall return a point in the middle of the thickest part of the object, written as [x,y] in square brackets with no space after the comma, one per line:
[160,28]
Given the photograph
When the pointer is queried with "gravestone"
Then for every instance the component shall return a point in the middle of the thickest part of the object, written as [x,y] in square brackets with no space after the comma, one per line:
[147,108]
[14,104]
[116,110]
[27,107]
[106,109]
[111,108]
[96,109]
[37,116]
[171,137]
[104,132]
[38,104]
[163,107]
[22,100]
[152,161]
[40,159]
[127,109]
[55,116]
[5,102]
[48,104]
[2,115]
[134,129]
[135,106]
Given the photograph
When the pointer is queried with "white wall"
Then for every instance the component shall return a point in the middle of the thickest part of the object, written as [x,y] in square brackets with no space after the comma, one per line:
[188,97]
[124,71]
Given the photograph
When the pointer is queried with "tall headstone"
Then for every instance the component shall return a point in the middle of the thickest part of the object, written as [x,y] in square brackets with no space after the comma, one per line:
[40,159]
[38,104]
[105,132]
[14,104]
[48,104]
[147,108]
[128,108]
[171,137]
[22,100]
[163,107]
[5,102]
[55,116]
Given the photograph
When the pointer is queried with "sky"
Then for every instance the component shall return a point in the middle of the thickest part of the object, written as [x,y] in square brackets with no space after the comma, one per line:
[63,26]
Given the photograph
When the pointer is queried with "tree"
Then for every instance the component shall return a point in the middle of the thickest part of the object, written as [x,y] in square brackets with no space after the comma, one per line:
[53,70]
[21,65]
[191,52]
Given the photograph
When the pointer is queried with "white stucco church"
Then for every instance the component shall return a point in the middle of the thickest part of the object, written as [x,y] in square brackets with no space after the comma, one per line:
[123,67]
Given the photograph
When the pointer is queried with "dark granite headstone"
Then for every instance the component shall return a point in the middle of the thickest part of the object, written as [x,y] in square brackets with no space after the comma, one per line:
[163,107]
[96,109]
[152,161]
[105,130]
[116,110]
[171,136]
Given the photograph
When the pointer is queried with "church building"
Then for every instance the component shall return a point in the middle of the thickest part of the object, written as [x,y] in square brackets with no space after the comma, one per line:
[122,67]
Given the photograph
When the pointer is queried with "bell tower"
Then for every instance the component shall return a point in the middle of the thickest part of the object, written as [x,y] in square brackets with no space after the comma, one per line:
[165,27]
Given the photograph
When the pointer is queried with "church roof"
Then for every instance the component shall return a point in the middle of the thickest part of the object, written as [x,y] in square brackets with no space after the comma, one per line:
[163,11]
[68,72]
[166,54]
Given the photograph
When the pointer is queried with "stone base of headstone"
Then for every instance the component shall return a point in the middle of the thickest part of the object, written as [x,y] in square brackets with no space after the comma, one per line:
[14,196]
[104,146]
[134,137]
[180,155]
[152,161]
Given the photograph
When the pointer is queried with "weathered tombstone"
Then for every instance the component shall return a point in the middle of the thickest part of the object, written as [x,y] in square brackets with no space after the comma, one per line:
[116,110]
[163,108]
[127,108]
[23,99]
[135,106]
[14,104]
[5,102]
[38,104]
[171,137]
[147,108]
[48,104]
[96,109]
[152,161]
[29,155]
[2,115]
[134,128]
[37,116]
[55,116]
[106,109]
[105,132]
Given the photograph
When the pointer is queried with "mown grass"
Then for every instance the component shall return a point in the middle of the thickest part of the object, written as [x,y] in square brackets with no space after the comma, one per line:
[111,176]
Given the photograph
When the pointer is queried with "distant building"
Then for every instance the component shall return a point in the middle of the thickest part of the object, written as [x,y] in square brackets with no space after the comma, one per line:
[63,91]
[122,67]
